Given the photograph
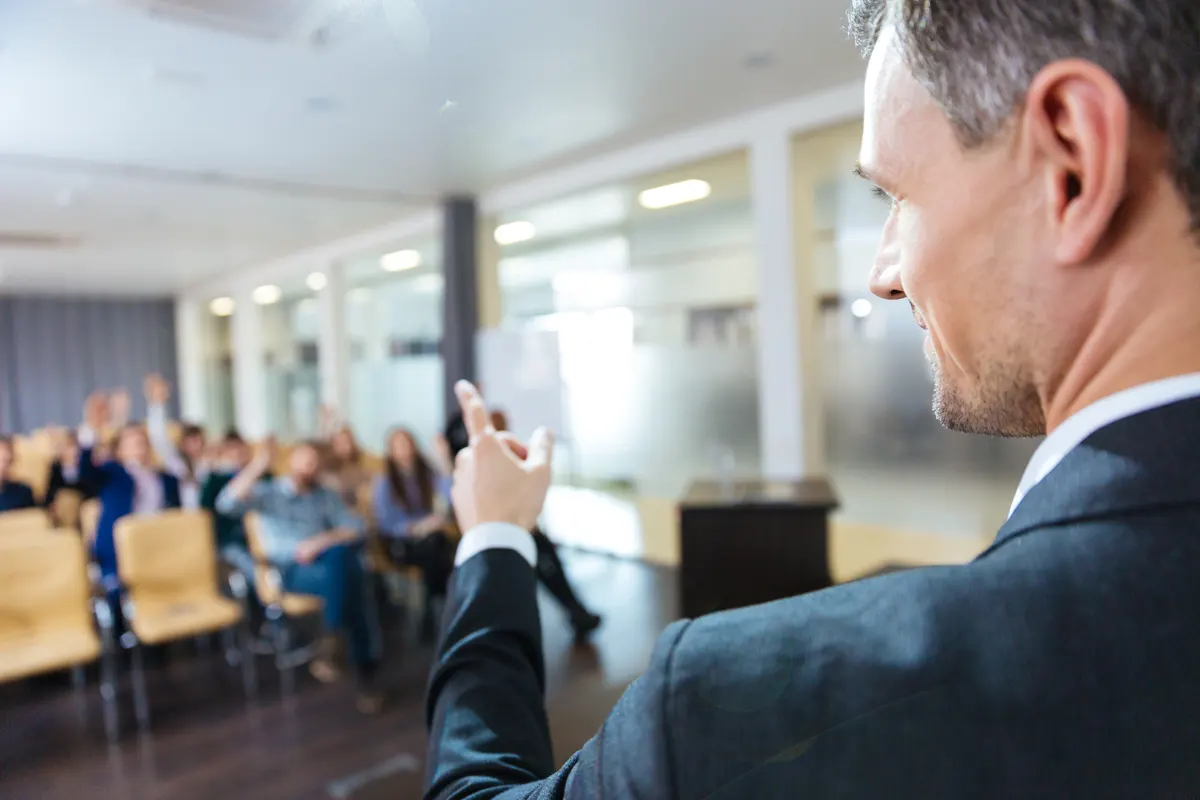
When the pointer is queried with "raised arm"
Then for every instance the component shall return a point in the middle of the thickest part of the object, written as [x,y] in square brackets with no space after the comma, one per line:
[489,735]
[158,394]
[242,493]
[95,418]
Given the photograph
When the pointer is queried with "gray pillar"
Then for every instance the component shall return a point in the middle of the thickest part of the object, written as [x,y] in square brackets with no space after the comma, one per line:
[461,297]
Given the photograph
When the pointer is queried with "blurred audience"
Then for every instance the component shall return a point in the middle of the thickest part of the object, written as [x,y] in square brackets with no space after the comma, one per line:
[409,503]
[314,539]
[346,469]
[14,495]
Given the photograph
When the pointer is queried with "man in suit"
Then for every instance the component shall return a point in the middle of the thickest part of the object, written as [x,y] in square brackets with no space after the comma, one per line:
[1041,162]
[14,495]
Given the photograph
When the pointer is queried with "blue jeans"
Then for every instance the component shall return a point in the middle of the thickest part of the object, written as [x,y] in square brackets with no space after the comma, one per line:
[337,577]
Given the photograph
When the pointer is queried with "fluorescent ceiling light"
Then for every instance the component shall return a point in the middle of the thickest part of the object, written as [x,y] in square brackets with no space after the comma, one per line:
[400,260]
[317,281]
[222,306]
[674,194]
[513,232]
[267,294]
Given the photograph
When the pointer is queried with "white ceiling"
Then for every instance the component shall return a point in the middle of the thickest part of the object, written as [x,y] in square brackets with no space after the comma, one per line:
[172,152]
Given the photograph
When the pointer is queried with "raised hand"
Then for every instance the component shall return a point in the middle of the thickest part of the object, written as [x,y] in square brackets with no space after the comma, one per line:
[120,404]
[497,479]
[95,411]
[157,390]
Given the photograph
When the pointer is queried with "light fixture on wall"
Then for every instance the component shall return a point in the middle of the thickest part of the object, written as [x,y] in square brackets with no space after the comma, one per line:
[316,281]
[400,260]
[267,294]
[674,194]
[222,306]
[514,232]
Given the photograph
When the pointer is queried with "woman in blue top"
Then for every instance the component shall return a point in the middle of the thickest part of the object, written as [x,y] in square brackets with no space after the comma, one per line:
[410,503]
[127,484]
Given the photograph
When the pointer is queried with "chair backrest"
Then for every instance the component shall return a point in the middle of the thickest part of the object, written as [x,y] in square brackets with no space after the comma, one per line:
[27,519]
[89,518]
[65,510]
[33,468]
[171,553]
[268,590]
[43,586]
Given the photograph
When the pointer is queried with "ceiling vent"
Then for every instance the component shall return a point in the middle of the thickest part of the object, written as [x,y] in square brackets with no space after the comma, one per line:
[28,239]
[265,20]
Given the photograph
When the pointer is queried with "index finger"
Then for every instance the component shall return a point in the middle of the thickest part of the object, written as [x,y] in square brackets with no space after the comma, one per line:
[474,411]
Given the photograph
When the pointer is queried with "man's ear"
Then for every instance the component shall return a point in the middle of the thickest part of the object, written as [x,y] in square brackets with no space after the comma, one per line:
[1076,118]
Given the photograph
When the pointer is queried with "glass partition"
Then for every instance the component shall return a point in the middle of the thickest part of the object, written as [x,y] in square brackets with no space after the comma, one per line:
[290,335]
[218,374]
[394,323]
[652,293]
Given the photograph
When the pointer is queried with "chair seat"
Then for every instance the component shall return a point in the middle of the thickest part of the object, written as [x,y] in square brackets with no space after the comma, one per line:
[299,605]
[39,653]
[156,622]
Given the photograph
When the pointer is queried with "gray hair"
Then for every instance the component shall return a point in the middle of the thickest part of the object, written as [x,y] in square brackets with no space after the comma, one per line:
[978,57]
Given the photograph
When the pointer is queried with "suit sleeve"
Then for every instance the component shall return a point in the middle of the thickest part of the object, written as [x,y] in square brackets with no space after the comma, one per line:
[489,735]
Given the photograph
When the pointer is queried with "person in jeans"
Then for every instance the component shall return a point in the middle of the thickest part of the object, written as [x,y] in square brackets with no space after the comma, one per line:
[404,503]
[315,540]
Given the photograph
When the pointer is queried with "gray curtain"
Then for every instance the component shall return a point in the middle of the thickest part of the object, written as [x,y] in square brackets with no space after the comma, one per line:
[56,351]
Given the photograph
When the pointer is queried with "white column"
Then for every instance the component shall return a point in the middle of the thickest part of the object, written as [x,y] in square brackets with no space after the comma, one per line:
[191,327]
[790,420]
[333,352]
[249,367]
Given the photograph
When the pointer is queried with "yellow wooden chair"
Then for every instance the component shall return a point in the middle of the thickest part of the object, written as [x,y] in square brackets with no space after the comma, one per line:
[66,508]
[25,520]
[168,570]
[46,621]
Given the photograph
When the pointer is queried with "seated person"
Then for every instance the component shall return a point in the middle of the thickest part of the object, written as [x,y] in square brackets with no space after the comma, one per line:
[346,469]
[233,456]
[127,484]
[186,461]
[313,538]
[65,472]
[14,495]
[404,504]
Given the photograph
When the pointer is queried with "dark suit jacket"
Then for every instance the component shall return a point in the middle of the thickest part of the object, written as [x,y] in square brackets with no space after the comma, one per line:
[115,488]
[1064,662]
[58,482]
[15,496]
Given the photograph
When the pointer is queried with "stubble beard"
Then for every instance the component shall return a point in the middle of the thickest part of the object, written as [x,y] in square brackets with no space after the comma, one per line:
[1002,402]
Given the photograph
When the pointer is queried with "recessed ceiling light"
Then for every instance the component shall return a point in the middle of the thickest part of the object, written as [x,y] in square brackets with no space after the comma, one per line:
[400,260]
[674,194]
[513,232]
[267,295]
[316,281]
[222,306]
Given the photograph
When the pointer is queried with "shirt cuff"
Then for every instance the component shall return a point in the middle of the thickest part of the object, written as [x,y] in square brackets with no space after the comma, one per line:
[492,535]
[86,437]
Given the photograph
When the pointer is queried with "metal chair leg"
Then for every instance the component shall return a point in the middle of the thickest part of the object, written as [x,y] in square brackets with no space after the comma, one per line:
[108,693]
[282,662]
[246,656]
[141,705]
[78,680]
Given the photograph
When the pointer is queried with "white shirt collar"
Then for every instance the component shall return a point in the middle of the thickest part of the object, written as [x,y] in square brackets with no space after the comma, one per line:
[1104,412]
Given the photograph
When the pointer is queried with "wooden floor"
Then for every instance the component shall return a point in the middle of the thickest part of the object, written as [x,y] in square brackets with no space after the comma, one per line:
[207,742]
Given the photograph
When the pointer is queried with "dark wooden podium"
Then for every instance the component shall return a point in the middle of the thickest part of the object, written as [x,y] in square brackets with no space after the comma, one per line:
[750,542]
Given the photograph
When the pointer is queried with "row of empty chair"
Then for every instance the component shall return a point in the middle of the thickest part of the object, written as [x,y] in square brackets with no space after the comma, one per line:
[53,617]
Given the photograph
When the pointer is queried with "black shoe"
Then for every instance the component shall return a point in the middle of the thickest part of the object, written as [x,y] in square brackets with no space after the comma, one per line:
[585,623]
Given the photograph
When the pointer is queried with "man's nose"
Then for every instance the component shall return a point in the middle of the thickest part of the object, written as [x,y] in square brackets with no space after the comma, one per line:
[885,280]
